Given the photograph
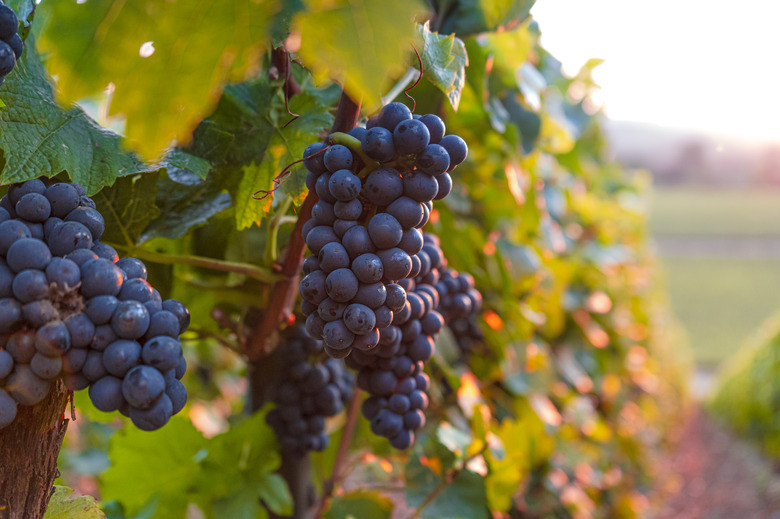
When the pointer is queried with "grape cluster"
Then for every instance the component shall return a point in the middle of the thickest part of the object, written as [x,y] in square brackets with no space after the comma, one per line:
[308,390]
[394,377]
[71,309]
[11,45]
[364,233]
[460,305]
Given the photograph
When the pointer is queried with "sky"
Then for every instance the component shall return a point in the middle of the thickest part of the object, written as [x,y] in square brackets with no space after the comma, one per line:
[694,64]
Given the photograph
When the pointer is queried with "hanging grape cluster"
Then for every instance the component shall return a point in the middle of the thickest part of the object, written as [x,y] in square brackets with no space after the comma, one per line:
[11,45]
[70,308]
[376,192]
[310,387]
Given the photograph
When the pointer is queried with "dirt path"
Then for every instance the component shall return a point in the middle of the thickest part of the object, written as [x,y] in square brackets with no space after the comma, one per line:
[710,474]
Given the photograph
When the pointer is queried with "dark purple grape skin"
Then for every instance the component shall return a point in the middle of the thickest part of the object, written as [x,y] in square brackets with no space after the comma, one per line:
[372,295]
[81,330]
[63,198]
[11,231]
[66,237]
[322,187]
[33,207]
[319,236]
[136,289]
[407,211]
[445,186]
[344,186]
[337,336]
[106,252]
[8,22]
[21,346]
[6,281]
[52,339]
[312,287]
[63,273]
[411,137]
[28,253]
[133,267]
[38,313]
[17,191]
[378,144]
[403,440]
[420,187]
[30,285]
[106,394]
[100,308]
[341,285]
[329,310]
[384,230]
[130,320]
[89,218]
[387,424]
[155,417]
[162,352]
[333,256]
[121,356]
[435,126]
[313,159]
[6,364]
[396,297]
[457,149]
[338,157]
[8,409]
[350,210]
[181,312]
[357,241]
[81,256]
[163,323]
[143,386]
[392,114]
[26,387]
[368,268]
[397,264]
[93,367]
[100,277]
[383,186]
[359,319]
[434,160]
[178,395]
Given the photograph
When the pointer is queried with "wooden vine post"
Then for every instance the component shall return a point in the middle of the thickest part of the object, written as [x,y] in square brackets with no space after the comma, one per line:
[28,456]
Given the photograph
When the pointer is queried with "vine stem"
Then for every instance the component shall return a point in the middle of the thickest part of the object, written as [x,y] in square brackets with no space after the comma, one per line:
[341,456]
[247,269]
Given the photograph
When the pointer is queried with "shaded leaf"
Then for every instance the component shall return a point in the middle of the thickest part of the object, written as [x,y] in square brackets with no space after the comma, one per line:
[359,504]
[167,60]
[61,506]
[127,207]
[462,498]
[38,138]
[360,43]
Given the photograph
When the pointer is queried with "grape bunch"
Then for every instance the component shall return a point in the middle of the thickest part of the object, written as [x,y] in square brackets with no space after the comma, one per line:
[375,186]
[11,45]
[460,305]
[71,309]
[308,390]
[394,376]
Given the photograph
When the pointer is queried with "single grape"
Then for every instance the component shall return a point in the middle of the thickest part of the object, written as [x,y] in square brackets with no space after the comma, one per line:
[322,187]
[457,149]
[320,236]
[445,186]
[26,387]
[106,394]
[396,297]
[6,364]
[93,367]
[21,346]
[10,231]
[312,287]
[178,395]
[33,207]
[47,368]
[7,409]
[133,267]
[407,211]
[313,159]
[63,273]
[155,416]
[66,237]
[100,277]
[181,312]
[372,295]
[136,289]
[350,210]
[403,440]
[344,186]
[337,335]
[410,137]
[89,218]
[143,386]
[420,187]
[162,352]
[435,127]
[104,335]
[368,268]
[359,319]
[130,319]
[30,285]
[434,160]
[392,114]
[333,256]
[383,186]
[100,308]
[81,256]
[73,361]
[63,198]
[163,323]
[357,241]
[338,157]
[378,144]
[8,22]
[6,281]
[397,264]
[387,424]
[341,285]
[106,252]
[38,313]
[340,227]
[385,231]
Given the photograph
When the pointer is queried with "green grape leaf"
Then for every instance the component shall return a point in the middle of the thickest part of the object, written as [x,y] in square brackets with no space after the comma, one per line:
[250,211]
[23,9]
[181,160]
[168,61]
[444,62]
[357,42]
[146,464]
[38,138]
[62,506]
[127,207]
[184,201]
[238,470]
[462,498]
[469,17]
[359,504]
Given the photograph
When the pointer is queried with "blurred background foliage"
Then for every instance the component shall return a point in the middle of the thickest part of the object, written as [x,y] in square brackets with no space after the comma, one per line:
[553,409]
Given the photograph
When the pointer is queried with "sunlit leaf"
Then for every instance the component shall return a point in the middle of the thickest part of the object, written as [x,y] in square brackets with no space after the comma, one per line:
[168,61]
[359,504]
[61,506]
[361,43]
[444,63]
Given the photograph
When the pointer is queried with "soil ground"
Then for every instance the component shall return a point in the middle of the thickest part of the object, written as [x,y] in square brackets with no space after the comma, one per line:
[711,474]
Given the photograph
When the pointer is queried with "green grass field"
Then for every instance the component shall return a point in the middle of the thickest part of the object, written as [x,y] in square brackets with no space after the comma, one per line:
[719,301]
[688,210]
